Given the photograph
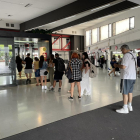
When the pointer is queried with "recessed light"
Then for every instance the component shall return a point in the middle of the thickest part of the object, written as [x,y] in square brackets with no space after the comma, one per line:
[28,5]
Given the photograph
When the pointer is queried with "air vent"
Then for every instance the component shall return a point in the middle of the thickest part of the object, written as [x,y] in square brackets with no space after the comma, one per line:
[12,25]
[75,32]
[72,32]
[9,15]
[61,31]
[7,24]
[28,5]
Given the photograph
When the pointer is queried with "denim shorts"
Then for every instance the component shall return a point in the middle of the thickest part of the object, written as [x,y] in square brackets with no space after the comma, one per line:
[37,73]
[127,86]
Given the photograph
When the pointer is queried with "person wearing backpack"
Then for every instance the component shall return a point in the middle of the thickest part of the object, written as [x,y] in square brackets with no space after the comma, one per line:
[59,71]
[85,85]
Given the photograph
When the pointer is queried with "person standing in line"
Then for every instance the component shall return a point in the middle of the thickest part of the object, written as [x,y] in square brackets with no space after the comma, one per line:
[75,65]
[138,63]
[85,85]
[113,61]
[19,65]
[51,70]
[128,78]
[43,69]
[59,71]
[37,70]
[69,91]
[28,69]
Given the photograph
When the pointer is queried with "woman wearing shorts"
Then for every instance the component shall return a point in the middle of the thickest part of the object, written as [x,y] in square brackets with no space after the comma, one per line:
[43,68]
[37,70]
[75,65]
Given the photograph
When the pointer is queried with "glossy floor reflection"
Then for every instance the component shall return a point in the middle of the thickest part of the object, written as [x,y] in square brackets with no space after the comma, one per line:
[26,107]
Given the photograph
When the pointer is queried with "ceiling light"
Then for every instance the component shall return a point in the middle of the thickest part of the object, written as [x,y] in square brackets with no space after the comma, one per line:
[104,16]
[135,7]
[52,23]
[100,7]
[70,17]
[28,5]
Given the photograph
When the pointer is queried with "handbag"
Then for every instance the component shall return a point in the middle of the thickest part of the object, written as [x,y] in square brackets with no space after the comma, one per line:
[45,73]
[68,72]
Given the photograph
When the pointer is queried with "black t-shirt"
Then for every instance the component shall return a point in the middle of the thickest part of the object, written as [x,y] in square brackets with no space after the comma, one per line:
[29,62]
[55,61]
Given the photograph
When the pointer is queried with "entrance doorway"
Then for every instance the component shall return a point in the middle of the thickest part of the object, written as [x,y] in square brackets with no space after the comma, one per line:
[36,47]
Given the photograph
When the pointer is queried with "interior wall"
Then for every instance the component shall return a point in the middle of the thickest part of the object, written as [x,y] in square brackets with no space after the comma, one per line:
[125,37]
[3,25]
[71,31]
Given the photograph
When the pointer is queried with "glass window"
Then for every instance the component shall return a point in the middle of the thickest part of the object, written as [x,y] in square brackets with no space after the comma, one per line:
[122,26]
[132,23]
[104,32]
[110,30]
[114,29]
[98,34]
[94,36]
[90,37]
[87,38]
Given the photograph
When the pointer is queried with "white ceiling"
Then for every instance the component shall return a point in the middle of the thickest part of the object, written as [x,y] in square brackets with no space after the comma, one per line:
[20,13]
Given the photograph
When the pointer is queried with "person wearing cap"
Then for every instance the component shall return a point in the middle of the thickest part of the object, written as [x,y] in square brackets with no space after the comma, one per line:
[128,77]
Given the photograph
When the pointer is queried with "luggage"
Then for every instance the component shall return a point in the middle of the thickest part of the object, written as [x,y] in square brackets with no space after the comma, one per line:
[93,70]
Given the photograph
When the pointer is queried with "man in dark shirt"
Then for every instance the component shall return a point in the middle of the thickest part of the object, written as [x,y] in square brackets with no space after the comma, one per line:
[28,69]
[57,75]
[138,62]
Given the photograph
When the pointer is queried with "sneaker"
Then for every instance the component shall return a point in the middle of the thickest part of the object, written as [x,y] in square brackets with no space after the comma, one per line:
[70,98]
[52,89]
[43,87]
[46,88]
[79,97]
[59,90]
[123,110]
[27,81]
[130,108]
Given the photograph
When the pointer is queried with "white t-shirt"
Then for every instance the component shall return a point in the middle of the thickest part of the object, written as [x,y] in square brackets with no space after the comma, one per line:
[130,71]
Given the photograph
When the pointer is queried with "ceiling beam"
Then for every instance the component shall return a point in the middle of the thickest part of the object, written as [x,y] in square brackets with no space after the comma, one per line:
[135,1]
[74,8]
[105,12]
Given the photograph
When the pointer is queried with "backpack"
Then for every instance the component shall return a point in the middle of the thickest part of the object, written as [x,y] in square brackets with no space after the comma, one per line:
[93,70]
[61,65]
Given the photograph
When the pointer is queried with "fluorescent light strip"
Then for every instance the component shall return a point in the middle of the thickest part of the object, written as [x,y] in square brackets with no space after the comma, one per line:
[104,17]
[100,7]
[135,7]
[52,23]
[70,17]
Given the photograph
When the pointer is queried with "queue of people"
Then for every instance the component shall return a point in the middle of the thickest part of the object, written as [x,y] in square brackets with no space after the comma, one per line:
[79,71]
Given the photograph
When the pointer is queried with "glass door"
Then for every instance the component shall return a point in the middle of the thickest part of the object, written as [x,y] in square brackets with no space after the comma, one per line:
[7,62]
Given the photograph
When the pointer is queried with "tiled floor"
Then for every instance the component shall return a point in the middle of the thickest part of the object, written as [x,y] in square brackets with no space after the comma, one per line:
[26,107]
